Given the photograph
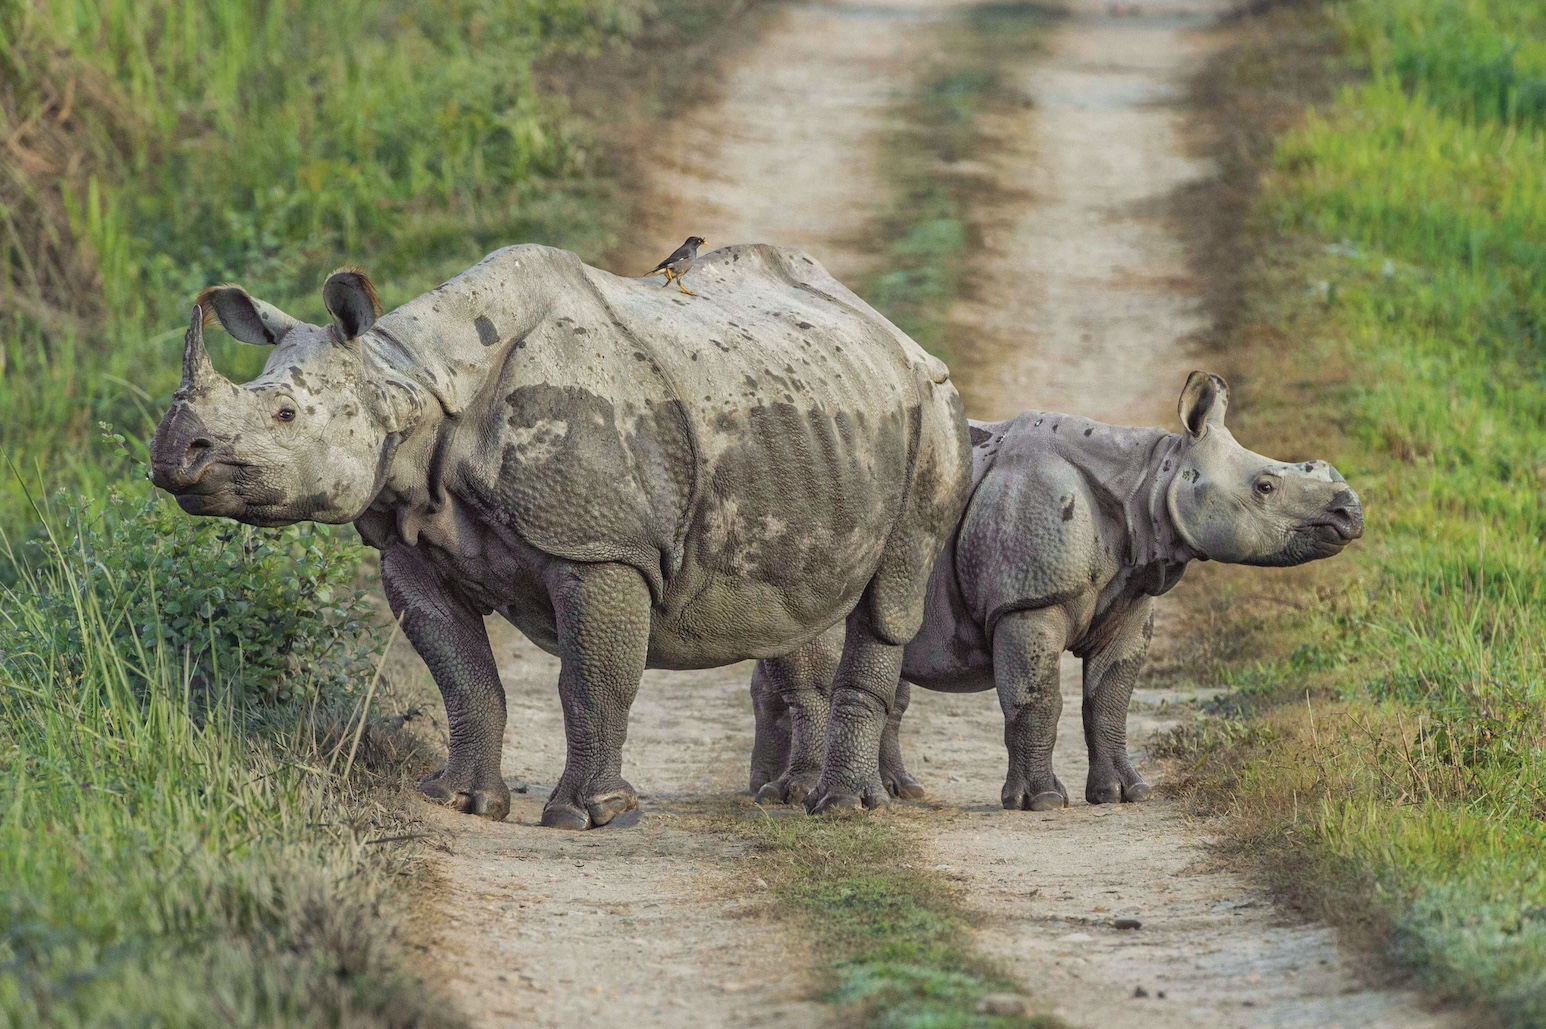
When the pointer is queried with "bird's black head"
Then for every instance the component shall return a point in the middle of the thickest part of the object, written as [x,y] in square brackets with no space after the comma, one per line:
[695,241]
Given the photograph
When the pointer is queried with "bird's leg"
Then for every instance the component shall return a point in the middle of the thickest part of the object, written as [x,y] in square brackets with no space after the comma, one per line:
[683,288]
[669,277]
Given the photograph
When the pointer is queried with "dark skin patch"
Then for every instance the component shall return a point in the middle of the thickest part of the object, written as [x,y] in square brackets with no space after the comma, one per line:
[487,334]
[1068,510]
[1088,431]
[980,436]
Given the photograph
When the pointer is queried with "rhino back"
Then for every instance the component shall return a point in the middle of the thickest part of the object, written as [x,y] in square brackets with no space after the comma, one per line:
[749,445]
[1046,523]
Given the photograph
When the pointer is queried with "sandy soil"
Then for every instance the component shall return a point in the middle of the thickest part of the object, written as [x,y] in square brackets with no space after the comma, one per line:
[1082,302]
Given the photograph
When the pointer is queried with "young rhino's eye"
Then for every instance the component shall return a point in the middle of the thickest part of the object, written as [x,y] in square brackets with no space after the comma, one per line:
[1265,487]
[285,414]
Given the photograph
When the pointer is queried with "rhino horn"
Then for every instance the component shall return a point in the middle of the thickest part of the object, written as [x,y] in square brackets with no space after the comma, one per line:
[198,370]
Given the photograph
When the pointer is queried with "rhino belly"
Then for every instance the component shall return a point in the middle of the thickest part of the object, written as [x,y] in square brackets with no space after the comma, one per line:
[794,515]
[951,653]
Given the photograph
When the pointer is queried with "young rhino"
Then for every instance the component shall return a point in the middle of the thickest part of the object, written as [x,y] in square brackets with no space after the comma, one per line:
[1072,529]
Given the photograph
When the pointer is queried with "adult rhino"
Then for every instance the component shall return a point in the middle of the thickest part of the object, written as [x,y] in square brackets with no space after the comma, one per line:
[1072,530]
[633,478]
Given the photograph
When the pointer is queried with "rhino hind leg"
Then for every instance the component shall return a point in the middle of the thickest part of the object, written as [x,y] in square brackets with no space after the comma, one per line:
[892,771]
[863,692]
[1027,652]
[791,696]
[451,639]
[603,621]
[1109,677]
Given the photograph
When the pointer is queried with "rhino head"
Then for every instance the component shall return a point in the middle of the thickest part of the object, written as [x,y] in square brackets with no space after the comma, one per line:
[310,438]
[1230,504]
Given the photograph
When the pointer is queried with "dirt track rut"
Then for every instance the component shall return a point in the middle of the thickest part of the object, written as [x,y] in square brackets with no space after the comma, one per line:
[1082,302]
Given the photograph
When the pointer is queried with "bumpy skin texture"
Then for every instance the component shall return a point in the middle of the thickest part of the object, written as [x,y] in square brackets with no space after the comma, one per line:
[1072,529]
[633,478]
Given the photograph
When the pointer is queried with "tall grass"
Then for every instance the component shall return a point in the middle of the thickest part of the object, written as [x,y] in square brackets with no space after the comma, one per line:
[165,859]
[1413,771]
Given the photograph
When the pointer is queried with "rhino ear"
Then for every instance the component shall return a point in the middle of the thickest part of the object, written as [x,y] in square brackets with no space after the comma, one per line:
[251,321]
[1204,402]
[351,300]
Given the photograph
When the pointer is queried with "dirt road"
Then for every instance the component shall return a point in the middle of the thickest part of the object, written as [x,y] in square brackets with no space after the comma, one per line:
[1084,303]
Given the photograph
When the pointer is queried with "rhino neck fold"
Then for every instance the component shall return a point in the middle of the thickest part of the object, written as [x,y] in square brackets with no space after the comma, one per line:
[1157,553]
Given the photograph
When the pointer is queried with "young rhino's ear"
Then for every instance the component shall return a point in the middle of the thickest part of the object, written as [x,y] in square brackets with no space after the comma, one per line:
[1204,402]
[351,300]
[251,321]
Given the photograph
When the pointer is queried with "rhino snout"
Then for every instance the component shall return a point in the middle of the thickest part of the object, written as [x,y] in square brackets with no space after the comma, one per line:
[181,453]
[1345,514]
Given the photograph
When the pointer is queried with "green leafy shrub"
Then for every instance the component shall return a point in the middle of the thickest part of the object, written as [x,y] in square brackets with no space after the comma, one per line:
[268,613]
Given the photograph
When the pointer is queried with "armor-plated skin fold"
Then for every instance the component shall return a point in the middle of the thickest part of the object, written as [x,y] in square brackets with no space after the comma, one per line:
[1072,529]
[632,477]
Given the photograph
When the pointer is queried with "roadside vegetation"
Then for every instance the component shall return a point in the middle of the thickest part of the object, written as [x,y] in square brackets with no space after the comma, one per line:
[1386,756]
[891,930]
[198,823]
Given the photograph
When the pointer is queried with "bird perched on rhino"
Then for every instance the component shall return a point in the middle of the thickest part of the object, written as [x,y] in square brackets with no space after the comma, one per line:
[679,264]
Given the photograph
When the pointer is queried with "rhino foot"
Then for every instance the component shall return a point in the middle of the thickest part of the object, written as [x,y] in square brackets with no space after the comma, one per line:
[1023,796]
[1126,786]
[837,801]
[789,788]
[489,800]
[901,785]
[566,809]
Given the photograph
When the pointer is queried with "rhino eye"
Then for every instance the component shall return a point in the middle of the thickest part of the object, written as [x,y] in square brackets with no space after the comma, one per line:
[1265,487]
[285,414]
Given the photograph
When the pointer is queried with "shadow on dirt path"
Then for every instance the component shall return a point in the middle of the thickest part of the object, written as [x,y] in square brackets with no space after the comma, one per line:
[1083,302]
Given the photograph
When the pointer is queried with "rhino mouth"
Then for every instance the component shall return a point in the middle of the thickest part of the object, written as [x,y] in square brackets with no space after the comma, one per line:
[227,489]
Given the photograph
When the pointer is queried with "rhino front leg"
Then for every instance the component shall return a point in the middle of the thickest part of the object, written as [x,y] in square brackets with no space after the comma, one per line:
[602,613]
[451,639]
[1027,649]
[892,772]
[799,685]
[1109,676]
[863,692]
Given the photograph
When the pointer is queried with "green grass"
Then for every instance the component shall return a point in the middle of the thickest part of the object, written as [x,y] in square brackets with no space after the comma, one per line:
[929,233]
[894,934]
[169,855]
[1406,231]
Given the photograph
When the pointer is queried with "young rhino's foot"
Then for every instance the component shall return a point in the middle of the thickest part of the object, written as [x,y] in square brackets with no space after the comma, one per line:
[842,797]
[1042,793]
[470,794]
[1115,785]
[899,784]
[577,807]
[789,788]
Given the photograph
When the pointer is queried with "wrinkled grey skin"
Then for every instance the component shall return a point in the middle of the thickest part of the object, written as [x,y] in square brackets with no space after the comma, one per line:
[631,477]
[1072,529]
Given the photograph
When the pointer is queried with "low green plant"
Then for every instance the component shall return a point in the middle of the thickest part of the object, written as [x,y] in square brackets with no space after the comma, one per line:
[269,613]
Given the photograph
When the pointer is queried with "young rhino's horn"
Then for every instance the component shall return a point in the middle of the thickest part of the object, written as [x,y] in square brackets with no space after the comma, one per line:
[198,370]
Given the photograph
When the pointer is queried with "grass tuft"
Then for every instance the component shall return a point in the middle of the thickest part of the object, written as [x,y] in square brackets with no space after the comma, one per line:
[894,934]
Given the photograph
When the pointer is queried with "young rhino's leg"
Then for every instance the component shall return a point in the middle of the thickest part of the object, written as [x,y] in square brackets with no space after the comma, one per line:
[1027,648]
[1109,676]
[451,639]
[796,690]
[603,621]
[892,772]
